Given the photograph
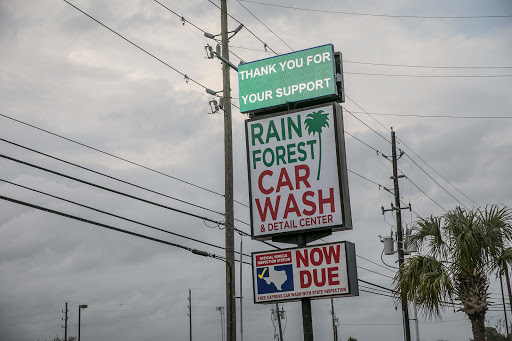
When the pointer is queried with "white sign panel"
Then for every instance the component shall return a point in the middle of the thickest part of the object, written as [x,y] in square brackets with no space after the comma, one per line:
[315,272]
[296,165]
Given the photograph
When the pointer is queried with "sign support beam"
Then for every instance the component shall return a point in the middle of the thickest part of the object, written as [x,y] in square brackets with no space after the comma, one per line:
[307,319]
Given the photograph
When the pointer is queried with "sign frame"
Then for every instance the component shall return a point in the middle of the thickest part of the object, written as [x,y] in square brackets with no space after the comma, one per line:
[351,266]
[342,173]
[336,78]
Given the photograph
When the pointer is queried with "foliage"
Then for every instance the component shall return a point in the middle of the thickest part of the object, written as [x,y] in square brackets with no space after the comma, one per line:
[351,339]
[314,123]
[460,250]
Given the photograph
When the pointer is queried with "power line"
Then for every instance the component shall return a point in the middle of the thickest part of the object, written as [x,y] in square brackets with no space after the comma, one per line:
[137,46]
[426,76]
[436,172]
[265,45]
[422,191]
[375,272]
[373,182]
[185,20]
[381,15]
[179,16]
[110,190]
[264,25]
[24,203]
[109,176]
[385,139]
[117,157]
[119,217]
[430,66]
[444,189]
[368,260]
[434,116]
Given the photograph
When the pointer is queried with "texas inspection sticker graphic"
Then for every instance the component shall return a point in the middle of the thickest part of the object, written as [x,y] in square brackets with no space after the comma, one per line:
[274,273]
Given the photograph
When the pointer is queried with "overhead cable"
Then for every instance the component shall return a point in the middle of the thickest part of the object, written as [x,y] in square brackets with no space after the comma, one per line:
[110,190]
[117,157]
[119,217]
[110,177]
[380,15]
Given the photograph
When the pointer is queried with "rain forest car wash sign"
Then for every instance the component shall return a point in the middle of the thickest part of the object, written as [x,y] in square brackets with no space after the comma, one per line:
[292,77]
[297,172]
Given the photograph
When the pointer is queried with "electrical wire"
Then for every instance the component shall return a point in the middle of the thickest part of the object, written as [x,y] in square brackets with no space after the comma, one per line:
[251,32]
[24,203]
[109,189]
[430,66]
[187,21]
[422,191]
[444,189]
[437,172]
[109,176]
[117,157]
[265,25]
[357,118]
[434,116]
[120,217]
[137,46]
[368,260]
[426,76]
[379,15]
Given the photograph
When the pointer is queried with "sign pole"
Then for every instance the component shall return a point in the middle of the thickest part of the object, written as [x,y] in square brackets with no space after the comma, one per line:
[307,320]
[228,183]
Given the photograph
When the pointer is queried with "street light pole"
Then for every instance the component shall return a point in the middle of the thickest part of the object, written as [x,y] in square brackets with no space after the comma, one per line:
[80,307]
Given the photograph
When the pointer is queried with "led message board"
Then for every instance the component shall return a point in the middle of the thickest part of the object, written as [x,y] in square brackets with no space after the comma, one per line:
[294,77]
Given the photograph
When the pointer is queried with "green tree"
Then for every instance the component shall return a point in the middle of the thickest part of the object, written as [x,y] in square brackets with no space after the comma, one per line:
[351,339]
[458,253]
[314,123]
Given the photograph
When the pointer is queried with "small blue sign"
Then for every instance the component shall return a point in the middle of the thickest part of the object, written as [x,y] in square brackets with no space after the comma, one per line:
[274,279]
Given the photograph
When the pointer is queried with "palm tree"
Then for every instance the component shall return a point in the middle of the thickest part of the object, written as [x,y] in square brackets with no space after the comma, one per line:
[314,123]
[459,252]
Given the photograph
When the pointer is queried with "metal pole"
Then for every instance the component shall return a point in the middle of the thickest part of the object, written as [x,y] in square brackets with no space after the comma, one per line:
[335,336]
[307,320]
[190,311]
[279,323]
[405,309]
[504,307]
[66,324]
[79,315]
[416,323]
[241,295]
[228,182]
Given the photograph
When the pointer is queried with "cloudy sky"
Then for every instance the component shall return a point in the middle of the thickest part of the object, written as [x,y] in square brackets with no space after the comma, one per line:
[65,77]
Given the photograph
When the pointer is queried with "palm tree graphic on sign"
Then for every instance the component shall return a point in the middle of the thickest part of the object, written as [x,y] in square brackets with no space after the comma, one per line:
[314,123]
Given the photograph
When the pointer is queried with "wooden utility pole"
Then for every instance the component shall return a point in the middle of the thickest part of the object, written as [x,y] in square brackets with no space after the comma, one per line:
[65,323]
[334,328]
[400,236]
[228,183]
[190,312]
[279,322]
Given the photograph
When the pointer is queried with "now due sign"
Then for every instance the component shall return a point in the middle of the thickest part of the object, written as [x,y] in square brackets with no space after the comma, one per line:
[327,270]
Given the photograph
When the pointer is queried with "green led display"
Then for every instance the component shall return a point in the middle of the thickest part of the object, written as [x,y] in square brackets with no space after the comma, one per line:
[291,77]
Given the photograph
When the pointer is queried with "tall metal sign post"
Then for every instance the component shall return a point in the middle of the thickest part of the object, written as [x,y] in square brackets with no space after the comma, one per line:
[298,182]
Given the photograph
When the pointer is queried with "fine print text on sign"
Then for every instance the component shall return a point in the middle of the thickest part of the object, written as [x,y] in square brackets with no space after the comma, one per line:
[292,77]
[295,172]
[316,271]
